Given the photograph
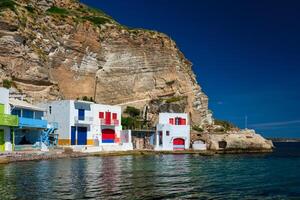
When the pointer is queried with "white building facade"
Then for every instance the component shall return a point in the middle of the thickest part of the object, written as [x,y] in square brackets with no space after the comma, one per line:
[88,123]
[172,132]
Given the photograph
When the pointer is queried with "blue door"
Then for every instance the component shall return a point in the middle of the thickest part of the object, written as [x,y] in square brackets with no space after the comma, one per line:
[73,135]
[82,136]
[81,114]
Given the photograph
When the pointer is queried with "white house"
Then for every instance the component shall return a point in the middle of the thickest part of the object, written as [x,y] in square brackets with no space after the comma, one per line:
[88,124]
[172,132]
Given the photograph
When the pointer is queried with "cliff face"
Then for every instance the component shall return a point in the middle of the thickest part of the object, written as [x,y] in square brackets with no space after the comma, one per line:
[61,49]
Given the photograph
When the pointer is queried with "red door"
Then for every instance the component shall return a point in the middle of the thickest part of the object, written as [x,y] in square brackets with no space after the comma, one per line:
[108,118]
[108,136]
[178,144]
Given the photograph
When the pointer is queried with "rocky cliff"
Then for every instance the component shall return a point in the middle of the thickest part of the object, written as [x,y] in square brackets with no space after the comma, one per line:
[61,49]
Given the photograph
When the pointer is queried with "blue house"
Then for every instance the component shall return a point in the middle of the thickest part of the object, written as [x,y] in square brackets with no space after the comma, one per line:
[33,128]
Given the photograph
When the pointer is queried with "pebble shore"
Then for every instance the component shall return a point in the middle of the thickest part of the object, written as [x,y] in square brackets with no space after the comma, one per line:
[6,158]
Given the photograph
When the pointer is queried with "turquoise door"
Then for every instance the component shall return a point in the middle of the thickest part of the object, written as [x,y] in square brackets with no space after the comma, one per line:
[2,142]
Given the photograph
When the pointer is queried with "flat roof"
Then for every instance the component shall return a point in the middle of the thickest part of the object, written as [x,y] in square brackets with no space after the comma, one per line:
[82,101]
[23,104]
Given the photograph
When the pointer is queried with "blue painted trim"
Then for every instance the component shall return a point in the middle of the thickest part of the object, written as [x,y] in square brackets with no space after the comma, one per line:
[108,141]
[73,135]
[32,123]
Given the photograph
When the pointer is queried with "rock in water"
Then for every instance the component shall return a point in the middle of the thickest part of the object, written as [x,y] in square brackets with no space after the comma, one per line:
[240,140]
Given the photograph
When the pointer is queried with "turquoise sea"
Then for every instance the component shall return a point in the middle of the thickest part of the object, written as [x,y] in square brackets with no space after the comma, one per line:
[255,176]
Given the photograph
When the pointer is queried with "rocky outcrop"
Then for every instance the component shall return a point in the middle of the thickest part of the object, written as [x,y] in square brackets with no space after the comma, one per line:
[241,140]
[61,49]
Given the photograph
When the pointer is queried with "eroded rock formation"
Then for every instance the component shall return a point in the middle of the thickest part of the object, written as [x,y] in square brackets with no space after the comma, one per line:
[61,49]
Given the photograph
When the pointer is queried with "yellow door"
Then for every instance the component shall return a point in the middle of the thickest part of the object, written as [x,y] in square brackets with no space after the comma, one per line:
[2,143]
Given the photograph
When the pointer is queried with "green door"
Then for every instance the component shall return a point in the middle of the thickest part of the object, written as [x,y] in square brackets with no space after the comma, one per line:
[2,143]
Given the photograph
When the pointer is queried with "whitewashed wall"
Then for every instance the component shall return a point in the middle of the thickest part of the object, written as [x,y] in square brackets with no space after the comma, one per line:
[175,131]
[60,113]
[105,108]
[4,99]
[164,117]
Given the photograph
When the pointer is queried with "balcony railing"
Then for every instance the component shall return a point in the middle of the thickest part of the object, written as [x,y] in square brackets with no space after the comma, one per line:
[84,120]
[113,122]
[8,120]
[32,123]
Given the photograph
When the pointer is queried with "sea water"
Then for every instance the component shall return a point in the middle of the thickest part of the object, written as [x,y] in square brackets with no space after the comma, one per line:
[244,176]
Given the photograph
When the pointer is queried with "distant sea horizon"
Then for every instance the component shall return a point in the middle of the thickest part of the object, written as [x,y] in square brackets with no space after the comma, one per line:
[283,139]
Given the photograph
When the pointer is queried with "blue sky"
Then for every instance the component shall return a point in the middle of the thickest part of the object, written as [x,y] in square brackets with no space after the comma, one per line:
[246,54]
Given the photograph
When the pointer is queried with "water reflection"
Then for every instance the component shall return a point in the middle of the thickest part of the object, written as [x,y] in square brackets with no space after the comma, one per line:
[148,177]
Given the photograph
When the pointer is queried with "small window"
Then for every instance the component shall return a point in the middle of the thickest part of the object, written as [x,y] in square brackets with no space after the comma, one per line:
[101,115]
[160,134]
[81,114]
[114,116]
[167,133]
[50,110]
[16,112]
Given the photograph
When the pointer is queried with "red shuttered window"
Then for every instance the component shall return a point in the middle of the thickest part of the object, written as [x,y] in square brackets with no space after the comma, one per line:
[114,116]
[108,118]
[171,121]
[183,121]
[101,115]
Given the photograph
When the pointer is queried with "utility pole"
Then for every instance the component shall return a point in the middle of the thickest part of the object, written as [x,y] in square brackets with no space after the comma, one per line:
[95,89]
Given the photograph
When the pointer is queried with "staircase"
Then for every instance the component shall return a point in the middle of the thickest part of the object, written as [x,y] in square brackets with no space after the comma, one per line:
[48,136]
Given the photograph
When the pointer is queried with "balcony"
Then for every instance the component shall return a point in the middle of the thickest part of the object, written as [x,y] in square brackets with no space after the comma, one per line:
[84,120]
[8,120]
[32,123]
[113,122]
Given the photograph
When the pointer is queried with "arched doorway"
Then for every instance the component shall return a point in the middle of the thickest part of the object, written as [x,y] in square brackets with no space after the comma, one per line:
[178,144]
[108,136]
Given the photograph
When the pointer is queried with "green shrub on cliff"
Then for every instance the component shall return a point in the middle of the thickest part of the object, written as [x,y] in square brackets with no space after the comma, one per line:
[57,10]
[97,20]
[7,4]
[132,111]
[7,83]
[86,98]
[197,128]
[227,125]
[173,99]
[29,9]
[128,122]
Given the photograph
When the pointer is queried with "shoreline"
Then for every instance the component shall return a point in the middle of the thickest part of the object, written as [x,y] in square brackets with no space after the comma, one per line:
[40,156]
